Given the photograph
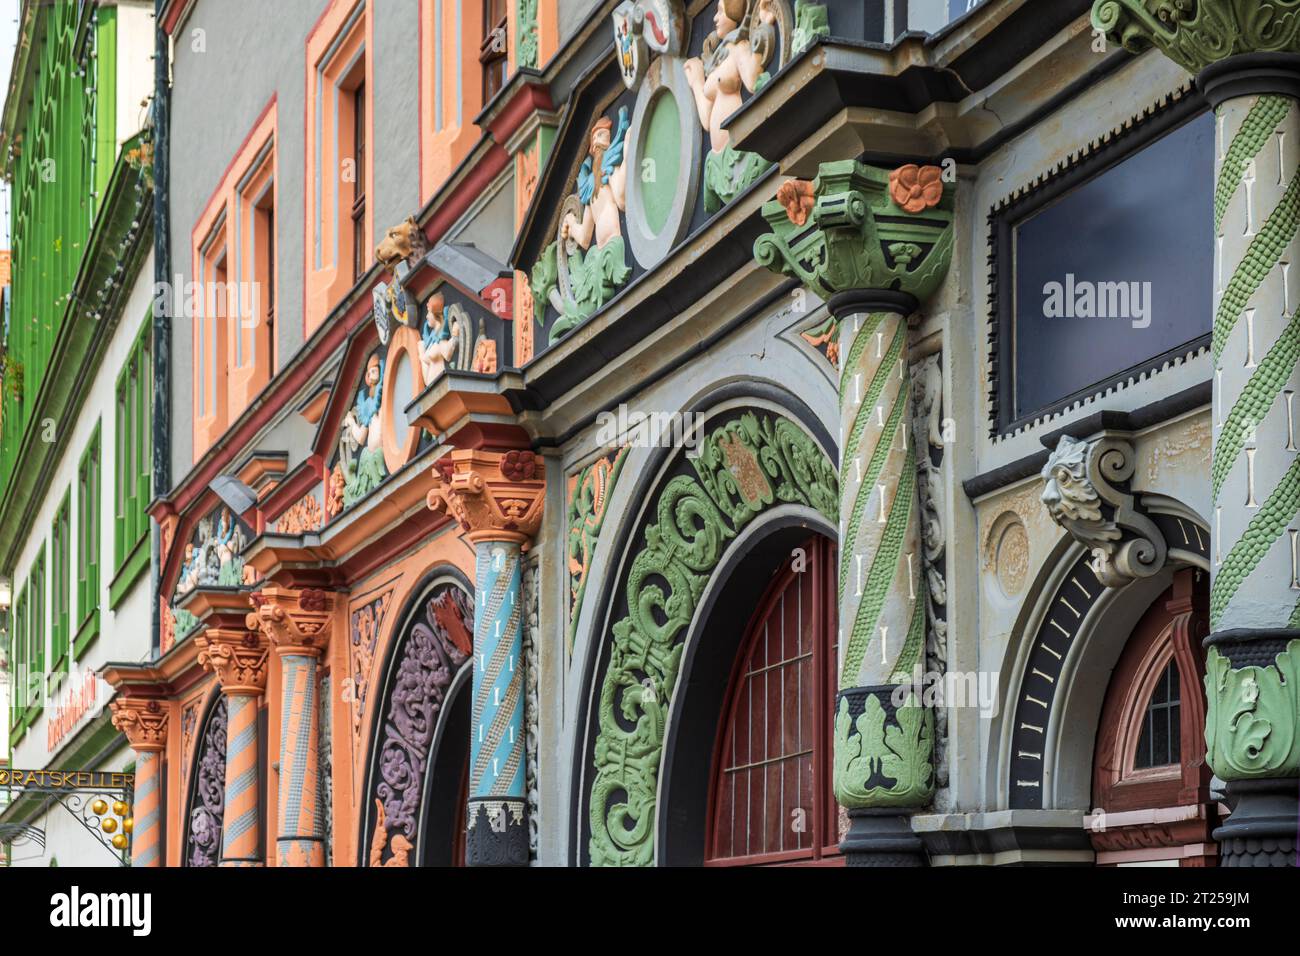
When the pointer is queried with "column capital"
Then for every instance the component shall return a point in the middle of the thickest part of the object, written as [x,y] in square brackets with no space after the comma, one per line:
[1197,33]
[496,496]
[858,227]
[293,621]
[237,656]
[143,721]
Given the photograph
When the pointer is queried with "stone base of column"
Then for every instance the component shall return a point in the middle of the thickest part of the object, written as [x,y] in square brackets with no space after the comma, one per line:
[1262,828]
[241,863]
[881,837]
[498,832]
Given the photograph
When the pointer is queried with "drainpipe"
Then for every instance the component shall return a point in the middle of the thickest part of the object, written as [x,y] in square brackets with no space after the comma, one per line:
[162,332]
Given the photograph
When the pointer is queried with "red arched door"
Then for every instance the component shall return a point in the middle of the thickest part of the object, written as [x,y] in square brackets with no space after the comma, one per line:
[771,799]
[1150,779]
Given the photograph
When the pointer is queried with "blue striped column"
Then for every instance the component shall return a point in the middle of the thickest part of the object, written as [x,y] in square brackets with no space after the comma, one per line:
[498,829]
[146,837]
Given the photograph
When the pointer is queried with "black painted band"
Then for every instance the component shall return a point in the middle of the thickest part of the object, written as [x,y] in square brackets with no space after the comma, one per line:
[1250,74]
[864,301]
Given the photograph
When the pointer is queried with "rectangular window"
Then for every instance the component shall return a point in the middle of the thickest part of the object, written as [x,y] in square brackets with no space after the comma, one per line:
[36,637]
[339,174]
[1104,271]
[234,256]
[359,189]
[60,586]
[18,658]
[492,48]
[132,466]
[88,538]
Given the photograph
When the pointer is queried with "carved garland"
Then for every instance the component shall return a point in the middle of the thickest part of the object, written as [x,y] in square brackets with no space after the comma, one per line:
[745,466]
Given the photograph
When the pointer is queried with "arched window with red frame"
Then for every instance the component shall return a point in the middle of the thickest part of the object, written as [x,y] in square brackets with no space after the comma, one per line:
[1150,780]
[771,799]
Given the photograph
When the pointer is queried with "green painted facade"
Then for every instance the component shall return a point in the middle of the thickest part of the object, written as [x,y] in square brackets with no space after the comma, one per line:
[60,155]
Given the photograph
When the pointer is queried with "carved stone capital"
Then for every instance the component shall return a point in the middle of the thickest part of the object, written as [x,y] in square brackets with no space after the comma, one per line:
[143,722]
[859,227]
[495,496]
[295,622]
[1197,33]
[237,657]
[1085,492]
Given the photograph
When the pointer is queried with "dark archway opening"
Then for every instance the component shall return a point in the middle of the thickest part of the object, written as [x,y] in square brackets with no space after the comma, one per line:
[708,669]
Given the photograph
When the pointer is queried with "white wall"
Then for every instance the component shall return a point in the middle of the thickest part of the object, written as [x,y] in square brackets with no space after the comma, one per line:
[124,634]
[135,44]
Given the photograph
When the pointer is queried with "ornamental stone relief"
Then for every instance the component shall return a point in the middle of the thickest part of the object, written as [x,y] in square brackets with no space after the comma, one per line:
[438,643]
[208,800]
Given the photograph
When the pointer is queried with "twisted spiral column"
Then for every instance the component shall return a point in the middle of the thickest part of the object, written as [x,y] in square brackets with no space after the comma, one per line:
[497,498]
[239,656]
[1255,470]
[144,723]
[297,624]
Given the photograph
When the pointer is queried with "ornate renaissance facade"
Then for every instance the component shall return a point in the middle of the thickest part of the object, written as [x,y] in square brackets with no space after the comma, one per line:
[721,432]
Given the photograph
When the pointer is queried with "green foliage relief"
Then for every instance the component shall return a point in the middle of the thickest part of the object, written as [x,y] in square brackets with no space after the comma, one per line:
[745,466]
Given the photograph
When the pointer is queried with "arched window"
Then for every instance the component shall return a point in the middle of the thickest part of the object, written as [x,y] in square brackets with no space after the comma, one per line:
[1160,742]
[1151,801]
[771,798]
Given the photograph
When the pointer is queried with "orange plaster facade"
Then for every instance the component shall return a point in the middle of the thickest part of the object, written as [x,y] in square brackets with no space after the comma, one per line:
[375,559]
[337,63]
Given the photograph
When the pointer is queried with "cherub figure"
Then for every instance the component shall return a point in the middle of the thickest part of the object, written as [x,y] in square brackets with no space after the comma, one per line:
[602,186]
[735,55]
[228,545]
[438,339]
[363,429]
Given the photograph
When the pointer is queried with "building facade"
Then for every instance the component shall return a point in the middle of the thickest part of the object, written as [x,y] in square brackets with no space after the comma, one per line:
[719,432]
[75,543]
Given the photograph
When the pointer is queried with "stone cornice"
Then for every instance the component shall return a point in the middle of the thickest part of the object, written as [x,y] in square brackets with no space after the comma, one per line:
[1197,33]
[495,496]
[143,721]
[295,622]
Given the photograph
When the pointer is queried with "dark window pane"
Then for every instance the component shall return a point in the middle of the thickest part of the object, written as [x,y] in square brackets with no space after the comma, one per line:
[1117,271]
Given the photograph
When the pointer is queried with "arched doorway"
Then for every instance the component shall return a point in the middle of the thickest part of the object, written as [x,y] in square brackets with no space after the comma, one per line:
[771,799]
[206,808]
[414,804]
[1150,779]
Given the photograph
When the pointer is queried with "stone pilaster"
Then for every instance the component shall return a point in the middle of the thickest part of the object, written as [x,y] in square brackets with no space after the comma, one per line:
[874,243]
[297,624]
[239,657]
[144,724]
[497,498]
[1247,60]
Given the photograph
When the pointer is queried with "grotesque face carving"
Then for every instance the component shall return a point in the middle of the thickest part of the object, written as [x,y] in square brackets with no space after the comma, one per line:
[1067,493]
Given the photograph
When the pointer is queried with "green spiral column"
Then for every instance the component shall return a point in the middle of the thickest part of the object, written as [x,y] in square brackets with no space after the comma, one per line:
[1245,59]
[874,243]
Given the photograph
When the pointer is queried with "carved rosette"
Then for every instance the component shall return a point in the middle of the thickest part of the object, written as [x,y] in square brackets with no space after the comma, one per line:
[1085,492]
[495,496]
[294,622]
[1197,33]
[238,658]
[868,228]
[142,721]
